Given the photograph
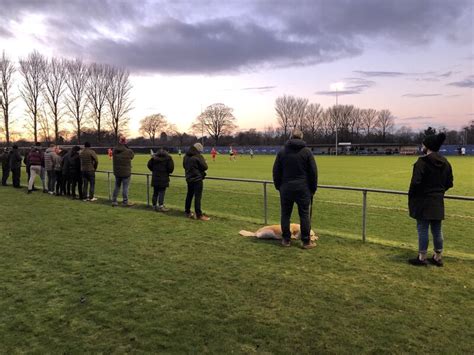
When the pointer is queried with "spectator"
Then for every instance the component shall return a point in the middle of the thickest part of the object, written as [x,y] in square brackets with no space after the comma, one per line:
[66,179]
[26,160]
[4,157]
[162,165]
[295,175]
[35,159]
[432,177]
[122,162]
[15,166]
[74,172]
[58,171]
[89,163]
[49,158]
[195,169]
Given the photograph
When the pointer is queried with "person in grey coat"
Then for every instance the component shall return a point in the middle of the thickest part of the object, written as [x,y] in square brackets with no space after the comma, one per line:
[432,177]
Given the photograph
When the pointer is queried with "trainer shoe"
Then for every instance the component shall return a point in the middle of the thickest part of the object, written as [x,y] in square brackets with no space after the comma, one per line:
[29,191]
[203,218]
[114,204]
[163,209]
[286,243]
[128,204]
[417,262]
[189,215]
[309,245]
[86,200]
[93,199]
[438,263]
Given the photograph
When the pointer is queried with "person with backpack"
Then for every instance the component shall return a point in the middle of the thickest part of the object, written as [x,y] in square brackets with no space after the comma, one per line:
[195,167]
[161,165]
[89,163]
[432,177]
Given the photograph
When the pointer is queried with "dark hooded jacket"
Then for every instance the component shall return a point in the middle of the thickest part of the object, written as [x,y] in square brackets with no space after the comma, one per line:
[432,176]
[14,159]
[122,161]
[194,165]
[161,165]
[72,161]
[295,167]
[4,157]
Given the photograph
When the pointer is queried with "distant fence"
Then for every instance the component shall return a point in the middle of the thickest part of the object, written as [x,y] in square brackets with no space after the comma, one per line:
[264,184]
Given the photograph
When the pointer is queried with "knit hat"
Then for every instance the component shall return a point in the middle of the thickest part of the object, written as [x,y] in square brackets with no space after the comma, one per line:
[434,142]
[198,147]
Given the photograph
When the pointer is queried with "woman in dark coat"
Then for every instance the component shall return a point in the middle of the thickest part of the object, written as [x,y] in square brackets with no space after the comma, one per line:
[432,176]
[162,165]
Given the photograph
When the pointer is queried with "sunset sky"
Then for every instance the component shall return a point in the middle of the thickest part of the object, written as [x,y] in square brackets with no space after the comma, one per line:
[412,57]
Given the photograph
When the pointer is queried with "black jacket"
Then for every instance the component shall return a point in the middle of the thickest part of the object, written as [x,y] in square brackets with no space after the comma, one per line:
[432,176]
[72,164]
[162,165]
[14,159]
[194,165]
[5,158]
[295,167]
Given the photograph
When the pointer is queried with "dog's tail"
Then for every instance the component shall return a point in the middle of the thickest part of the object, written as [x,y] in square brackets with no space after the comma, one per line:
[247,233]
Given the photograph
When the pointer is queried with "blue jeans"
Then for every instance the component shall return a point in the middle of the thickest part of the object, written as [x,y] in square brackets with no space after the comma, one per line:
[88,177]
[423,238]
[121,181]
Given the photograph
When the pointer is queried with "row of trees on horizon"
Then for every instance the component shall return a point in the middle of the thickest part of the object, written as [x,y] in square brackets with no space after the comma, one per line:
[69,101]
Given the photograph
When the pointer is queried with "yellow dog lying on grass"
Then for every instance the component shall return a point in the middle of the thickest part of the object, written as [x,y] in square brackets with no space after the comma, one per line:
[274,232]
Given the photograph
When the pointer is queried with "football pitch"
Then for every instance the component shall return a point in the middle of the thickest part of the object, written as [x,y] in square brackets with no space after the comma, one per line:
[84,277]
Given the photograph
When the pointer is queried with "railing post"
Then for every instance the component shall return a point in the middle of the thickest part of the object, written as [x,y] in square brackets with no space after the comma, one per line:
[108,181]
[265,203]
[364,214]
[148,190]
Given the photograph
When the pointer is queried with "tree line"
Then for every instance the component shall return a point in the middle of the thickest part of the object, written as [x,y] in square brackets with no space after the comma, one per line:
[58,92]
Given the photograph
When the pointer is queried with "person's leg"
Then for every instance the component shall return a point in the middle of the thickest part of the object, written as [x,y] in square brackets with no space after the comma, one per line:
[437,239]
[422,226]
[161,197]
[154,198]
[79,187]
[73,181]
[85,182]
[198,187]
[126,184]
[51,180]
[33,171]
[43,179]
[286,205]
[303,201]
[92,181]
[58,176]
[118,182]
[16,176]
[189,198]
[5,174]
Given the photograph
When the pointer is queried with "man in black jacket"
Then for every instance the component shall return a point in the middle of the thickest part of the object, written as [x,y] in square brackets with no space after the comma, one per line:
[295,175]
[5,159]
[195,169]
[15,166]
[432,176]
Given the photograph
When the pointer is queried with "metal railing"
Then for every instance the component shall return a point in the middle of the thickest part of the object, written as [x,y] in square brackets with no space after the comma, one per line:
[264,183]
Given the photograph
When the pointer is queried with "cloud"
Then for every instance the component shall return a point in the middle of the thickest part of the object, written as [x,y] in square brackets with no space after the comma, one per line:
[211,37]
[5,33]
[466,83]
[372,74]
[259,88]
[420,95]
[353,86]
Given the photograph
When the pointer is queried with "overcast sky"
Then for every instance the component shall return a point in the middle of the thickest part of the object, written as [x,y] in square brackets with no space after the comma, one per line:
[413,57]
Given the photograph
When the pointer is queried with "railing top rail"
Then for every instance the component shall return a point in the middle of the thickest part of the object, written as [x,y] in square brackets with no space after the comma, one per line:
[332,187]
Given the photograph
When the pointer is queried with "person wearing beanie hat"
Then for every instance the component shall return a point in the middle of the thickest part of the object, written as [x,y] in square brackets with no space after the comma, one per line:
[432,177]
[195,170]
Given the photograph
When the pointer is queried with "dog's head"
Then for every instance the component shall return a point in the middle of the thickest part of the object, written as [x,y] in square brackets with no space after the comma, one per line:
[295,230]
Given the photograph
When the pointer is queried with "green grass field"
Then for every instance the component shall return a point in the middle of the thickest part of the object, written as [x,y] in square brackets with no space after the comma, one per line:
[81,277]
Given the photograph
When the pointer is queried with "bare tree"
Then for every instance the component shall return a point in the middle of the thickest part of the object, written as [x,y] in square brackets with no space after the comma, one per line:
[153,125]
[118,99]
[368,118]
[385,122]
[286,108]
[7,70]
[313,120]
[44,125]
[32,69]
[76,81]
[55,85]
[217,120]
[96,90]
[340,116]
[298,120]
[355,122]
